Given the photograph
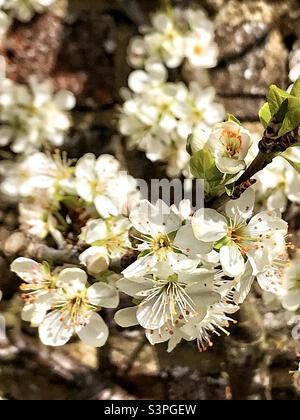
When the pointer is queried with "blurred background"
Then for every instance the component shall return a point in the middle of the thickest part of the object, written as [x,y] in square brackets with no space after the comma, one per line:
[82,48]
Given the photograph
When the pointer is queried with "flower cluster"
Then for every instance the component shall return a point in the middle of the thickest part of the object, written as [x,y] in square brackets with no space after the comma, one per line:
[33,116]
[50,186]
[25,10]
[173,36]
[64,303]
[158,116]
[194,270]
[60,198]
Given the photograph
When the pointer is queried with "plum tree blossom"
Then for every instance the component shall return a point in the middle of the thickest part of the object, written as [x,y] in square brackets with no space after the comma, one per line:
[74,310]
[279,182]
[36,172]
[189,271]
[109,240]
[173,36]
[102,183]
[230,144]
[158,116]
[37,290]
[63,303]
[163,238]
[239,235]
[33,116]
[24,10]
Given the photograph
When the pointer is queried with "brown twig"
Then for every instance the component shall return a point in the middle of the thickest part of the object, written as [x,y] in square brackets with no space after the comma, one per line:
[18,244]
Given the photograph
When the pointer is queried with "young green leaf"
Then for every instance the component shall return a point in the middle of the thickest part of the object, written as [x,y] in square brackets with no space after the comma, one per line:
[276,97]
[202,165]
[296,88]
[292,117]
[295,165]
[229,189]
[231,117]
[265,115]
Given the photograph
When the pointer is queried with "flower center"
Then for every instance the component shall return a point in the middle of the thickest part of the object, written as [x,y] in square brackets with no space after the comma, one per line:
[198,50]
[75,311]
[161,245]
[232,142]
[171,301]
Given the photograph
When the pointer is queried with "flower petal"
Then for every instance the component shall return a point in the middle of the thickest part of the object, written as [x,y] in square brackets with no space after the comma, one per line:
[95,333]
[55,332]
[232,261]
[72,280]
[103,295]
[209,225]
[127,317]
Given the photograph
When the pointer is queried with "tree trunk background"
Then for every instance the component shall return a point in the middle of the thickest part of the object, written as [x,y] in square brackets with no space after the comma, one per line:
[84,50]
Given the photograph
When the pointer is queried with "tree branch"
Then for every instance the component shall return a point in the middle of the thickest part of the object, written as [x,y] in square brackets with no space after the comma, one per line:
[18,244]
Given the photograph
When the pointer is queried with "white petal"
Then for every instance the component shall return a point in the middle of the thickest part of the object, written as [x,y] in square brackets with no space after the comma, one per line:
[189,244]
[127,317]
[103,295]
[72,280]
[148,318]
[95,333]
[244,286]
[95,259]
[65,99]
[105,207]
[54,332]
[291,301]
[208,225]
[140,267]
[243,207]
[202,298]
[232,261]
[27,269]
[135,286]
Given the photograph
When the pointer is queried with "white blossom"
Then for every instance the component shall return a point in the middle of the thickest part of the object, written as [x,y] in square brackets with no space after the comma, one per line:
[5,22]
[240,235]
[230,143]
[290,297]
[33,116]
[74,310]
[39,171]
[109,240]
[38,289]
[37,218]
[174,36]
[159,116]
[163,238]
[24,10]
[167,298]
[279,182]
[102,183]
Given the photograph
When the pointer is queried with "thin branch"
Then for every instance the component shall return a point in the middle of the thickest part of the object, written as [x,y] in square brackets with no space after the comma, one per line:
[18,244]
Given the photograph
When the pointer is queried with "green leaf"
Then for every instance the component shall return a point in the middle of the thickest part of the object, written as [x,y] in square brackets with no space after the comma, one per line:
[295,165]
[232,118]
[229,189]
[276,97]
[202,165]
[296,88]
[265,115]
[46,267]
[292,117]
